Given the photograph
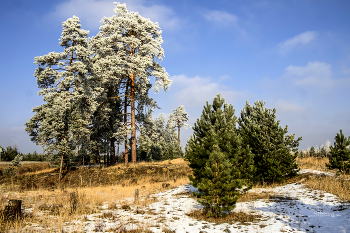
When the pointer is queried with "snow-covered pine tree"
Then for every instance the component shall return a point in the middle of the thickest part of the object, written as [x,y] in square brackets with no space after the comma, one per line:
[274,151]
[171,148]
[146,137]
[340,154]
[221,167]
[60,125]
[178,118]
[126,53]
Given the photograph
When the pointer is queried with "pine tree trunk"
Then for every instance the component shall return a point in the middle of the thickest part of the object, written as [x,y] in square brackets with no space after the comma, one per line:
[133,124]
[118,152]
[178,135]
[125,120]
[98,152]
[60,175]
[112,151]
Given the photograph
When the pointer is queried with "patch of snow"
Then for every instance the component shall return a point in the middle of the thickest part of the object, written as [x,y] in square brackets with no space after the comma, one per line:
[291,208]
[315,172]
[296,209]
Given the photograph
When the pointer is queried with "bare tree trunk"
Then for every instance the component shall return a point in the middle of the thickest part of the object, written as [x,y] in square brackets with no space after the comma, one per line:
[133,124]
[98,152]
[112,151]
[61,166]
[118,152]
[125,120]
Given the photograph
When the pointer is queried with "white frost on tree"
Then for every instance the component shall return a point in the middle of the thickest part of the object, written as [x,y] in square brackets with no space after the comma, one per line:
[60,125]
[178,118]
[126,54]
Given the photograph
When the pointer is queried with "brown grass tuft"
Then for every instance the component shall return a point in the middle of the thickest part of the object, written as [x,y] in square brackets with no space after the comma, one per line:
[339,186]
[314,163]
[232,218]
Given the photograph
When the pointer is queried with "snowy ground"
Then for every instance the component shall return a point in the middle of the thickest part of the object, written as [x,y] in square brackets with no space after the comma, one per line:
[296,209]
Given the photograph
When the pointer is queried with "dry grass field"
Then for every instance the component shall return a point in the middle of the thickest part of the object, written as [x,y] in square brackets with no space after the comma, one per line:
[85,191]
[338,185]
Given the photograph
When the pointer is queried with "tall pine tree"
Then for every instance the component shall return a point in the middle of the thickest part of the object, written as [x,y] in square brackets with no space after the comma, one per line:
[60,125]
[274,151]
[126,53]
[221,167]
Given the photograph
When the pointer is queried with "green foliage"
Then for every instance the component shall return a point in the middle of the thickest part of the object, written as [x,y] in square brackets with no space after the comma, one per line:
[155,153]
[221,167]
[9,172]
[274,151]
[15,163]
[60,124]
[312,151]
[171,151]
[340,154]
[9,153]
[323,152]
[34,157]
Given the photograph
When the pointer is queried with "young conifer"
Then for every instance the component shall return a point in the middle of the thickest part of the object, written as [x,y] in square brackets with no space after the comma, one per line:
[221,167]
[274,151]
[340,154]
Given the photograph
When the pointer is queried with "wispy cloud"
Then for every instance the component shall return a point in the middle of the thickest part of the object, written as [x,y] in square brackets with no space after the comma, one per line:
[90,12]
[283,106]
[221,17]
[194,92]
[316,74]
[301,39]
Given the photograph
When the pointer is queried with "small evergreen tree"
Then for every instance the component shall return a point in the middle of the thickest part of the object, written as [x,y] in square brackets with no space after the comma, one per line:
[312,152]
[15,163]
[274,151]
[340,154]
[221,168]
[178,118]
[155,153]
[323,152]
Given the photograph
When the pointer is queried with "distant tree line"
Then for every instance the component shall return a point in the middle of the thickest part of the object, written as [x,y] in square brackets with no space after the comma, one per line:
[10,152]
[320,152]
[338,154]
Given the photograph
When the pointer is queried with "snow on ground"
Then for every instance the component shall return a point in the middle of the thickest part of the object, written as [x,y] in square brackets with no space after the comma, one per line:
[316,172]
[293,209]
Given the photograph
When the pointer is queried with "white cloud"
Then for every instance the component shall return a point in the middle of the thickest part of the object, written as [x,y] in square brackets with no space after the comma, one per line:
[317,74]
[221,17]
[90,12]
[301,39]
[194,92]
[283,106]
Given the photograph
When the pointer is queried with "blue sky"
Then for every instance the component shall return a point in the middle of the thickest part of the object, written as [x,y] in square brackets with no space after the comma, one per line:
[295,55]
